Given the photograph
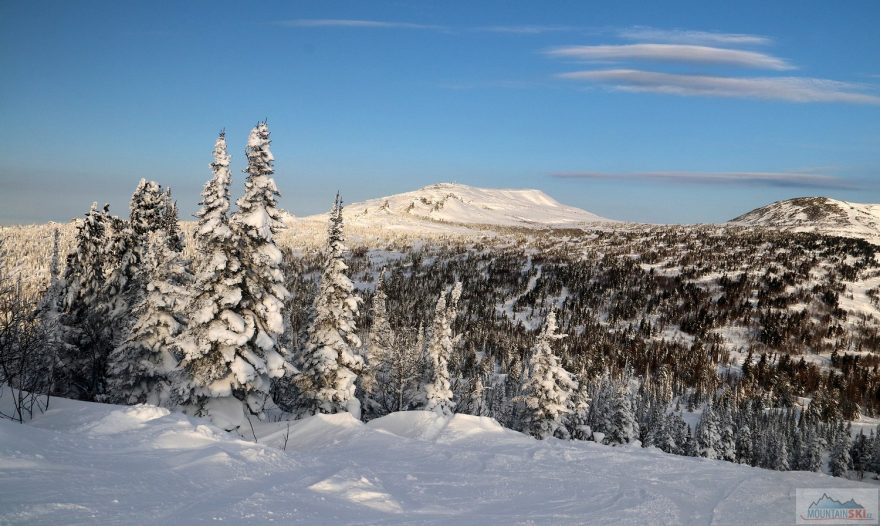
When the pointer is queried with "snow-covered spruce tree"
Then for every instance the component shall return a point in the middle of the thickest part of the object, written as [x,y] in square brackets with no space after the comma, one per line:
[126,283]
[577,420]
[379,352]
[330,363]
[708,433]
[840,461]
[621,425]
[220,375]
[173,235]
[438,390]
[548,386]
[82,359]
[147,209]
[140,369]
[255,224]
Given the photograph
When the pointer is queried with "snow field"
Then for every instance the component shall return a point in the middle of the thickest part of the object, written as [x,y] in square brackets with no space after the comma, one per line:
[87,463]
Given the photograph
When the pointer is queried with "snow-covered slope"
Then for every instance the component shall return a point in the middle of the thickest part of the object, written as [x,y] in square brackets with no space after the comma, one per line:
[818,214]
[83,463]
[446,205]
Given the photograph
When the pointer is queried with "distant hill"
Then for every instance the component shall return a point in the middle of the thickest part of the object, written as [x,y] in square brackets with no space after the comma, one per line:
[445,205]
[818,214]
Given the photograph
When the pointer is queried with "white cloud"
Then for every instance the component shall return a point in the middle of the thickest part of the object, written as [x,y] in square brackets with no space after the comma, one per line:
[791,89]
[526,30]
[345,22]
[673,53]
[682,36]
[803,179]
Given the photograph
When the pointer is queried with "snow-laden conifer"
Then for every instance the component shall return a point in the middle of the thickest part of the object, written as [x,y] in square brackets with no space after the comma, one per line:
[330,363]
[216,329]
[548,386]
[139,370]
[438,390]
[83,357]
[380,345]
[255,224]
[709,433]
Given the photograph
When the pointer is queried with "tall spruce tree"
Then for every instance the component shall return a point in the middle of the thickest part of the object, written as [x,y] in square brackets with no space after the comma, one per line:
[216,328]
[330,362]
[256,223]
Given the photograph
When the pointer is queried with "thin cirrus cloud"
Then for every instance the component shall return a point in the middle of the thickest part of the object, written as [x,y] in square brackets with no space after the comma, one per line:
[681,36]
[353,23]
[684,53]
[526,30]
[803,179]
[790,89]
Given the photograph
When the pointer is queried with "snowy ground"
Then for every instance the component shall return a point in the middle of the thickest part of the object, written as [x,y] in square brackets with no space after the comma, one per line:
[83,463]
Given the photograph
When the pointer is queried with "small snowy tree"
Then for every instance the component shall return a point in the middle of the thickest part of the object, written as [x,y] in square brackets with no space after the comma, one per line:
[147,209]
[438,390]
[140,368]
[621,426]
[548,386]
[330,365]
[708,433]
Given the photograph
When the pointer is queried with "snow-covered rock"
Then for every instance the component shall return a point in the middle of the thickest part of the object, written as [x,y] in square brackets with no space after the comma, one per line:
[818,214]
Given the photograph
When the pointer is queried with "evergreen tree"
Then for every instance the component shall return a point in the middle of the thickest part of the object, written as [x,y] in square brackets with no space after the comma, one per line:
[379,349]
[708,435]
[217,329]
[260,358]
[840,461]
[548,387]
[622,427]
[330,364]
[83,357]
[744,454]
[139,369]
[438,390]
[170,225]
[577,418]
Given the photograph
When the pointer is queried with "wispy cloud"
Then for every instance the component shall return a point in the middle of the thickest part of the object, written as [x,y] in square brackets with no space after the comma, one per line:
[673,53]
[681,36]
[791,89]
[354,23]
[794,179]
[526,29]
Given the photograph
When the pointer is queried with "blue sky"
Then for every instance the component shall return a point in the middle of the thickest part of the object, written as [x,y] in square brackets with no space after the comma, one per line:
[681,112]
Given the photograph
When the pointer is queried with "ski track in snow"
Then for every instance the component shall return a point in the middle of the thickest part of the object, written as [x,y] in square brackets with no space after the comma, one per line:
[83,463]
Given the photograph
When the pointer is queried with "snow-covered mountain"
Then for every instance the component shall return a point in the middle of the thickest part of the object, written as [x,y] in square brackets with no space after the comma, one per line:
[445,205]
[818,214]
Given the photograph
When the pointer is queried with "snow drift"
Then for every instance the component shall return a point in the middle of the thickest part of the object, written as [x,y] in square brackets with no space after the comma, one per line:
[86,463]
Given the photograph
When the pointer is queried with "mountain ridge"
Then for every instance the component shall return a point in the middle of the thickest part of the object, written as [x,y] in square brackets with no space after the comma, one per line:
[444,205]
[819,214]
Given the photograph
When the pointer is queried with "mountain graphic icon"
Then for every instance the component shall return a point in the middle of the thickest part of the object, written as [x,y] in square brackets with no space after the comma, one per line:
[827,503]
